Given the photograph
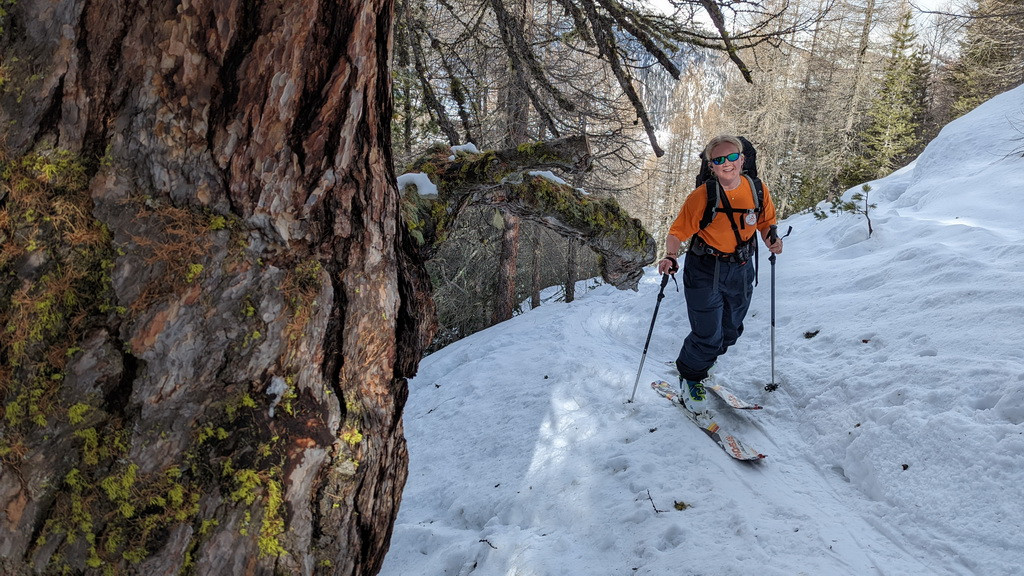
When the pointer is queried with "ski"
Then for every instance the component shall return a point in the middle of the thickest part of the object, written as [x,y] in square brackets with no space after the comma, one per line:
[732,445]
[732,399]
[727,395]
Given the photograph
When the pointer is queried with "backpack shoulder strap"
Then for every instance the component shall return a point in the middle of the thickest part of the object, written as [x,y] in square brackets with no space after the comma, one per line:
[757,188]
[714,198]
[711,208]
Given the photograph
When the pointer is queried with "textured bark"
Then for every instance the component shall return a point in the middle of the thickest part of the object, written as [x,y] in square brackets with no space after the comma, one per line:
[535,264]
[517,123]
[246,378]
[571,272]
[507,265]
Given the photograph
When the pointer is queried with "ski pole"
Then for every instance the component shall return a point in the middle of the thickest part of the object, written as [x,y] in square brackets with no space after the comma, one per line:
[773,235]
[661,295]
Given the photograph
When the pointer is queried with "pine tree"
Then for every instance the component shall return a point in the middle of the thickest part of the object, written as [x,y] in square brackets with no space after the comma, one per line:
[991,60]
[891,136]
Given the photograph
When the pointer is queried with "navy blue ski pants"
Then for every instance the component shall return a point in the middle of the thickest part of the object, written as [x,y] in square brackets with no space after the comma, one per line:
[717,298]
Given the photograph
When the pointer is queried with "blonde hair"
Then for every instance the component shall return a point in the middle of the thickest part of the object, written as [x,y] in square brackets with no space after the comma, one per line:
[723,139]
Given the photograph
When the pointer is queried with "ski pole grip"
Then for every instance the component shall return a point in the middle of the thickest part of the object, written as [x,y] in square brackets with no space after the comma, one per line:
[773,233]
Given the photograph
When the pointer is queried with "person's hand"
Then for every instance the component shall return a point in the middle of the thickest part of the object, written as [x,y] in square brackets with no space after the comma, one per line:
[775,247]
[668,265]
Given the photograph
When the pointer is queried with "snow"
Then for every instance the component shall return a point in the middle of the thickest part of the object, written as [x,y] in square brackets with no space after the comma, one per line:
[894,442]
[552,177]
[467,148]
[422,182]
[548,175]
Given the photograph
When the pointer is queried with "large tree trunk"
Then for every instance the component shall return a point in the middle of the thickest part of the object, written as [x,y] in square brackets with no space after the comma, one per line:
[571,269]
[535,264]
[225,397]
[517,118]
[507,264]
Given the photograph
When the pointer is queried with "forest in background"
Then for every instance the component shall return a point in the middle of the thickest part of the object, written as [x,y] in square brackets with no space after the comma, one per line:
[832,93]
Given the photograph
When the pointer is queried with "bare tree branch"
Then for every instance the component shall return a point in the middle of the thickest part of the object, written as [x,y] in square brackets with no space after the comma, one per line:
[715,12]
[1001,15]
[634,23]
[433,103]
[604,35]
[522,56]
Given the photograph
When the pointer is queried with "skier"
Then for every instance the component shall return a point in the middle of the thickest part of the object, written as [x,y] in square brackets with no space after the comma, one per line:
[718,270]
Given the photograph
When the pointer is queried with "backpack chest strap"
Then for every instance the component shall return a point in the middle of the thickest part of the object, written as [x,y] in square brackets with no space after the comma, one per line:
[755,191]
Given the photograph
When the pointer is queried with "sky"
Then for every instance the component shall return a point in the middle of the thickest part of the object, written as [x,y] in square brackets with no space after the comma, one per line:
[893,445]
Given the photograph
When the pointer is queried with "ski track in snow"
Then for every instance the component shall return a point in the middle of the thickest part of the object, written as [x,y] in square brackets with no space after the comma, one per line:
[893,443]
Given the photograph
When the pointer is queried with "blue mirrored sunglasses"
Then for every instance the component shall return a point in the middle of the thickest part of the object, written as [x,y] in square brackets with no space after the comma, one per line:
[721,159]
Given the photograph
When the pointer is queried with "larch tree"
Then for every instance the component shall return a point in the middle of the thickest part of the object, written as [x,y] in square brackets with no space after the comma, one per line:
[208,305]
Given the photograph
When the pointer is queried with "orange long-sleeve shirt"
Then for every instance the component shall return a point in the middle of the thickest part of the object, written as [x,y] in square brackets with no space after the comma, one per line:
[719,232]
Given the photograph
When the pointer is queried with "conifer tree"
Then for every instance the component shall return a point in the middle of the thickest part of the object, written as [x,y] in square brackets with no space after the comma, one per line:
[892,132]
[991,60]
